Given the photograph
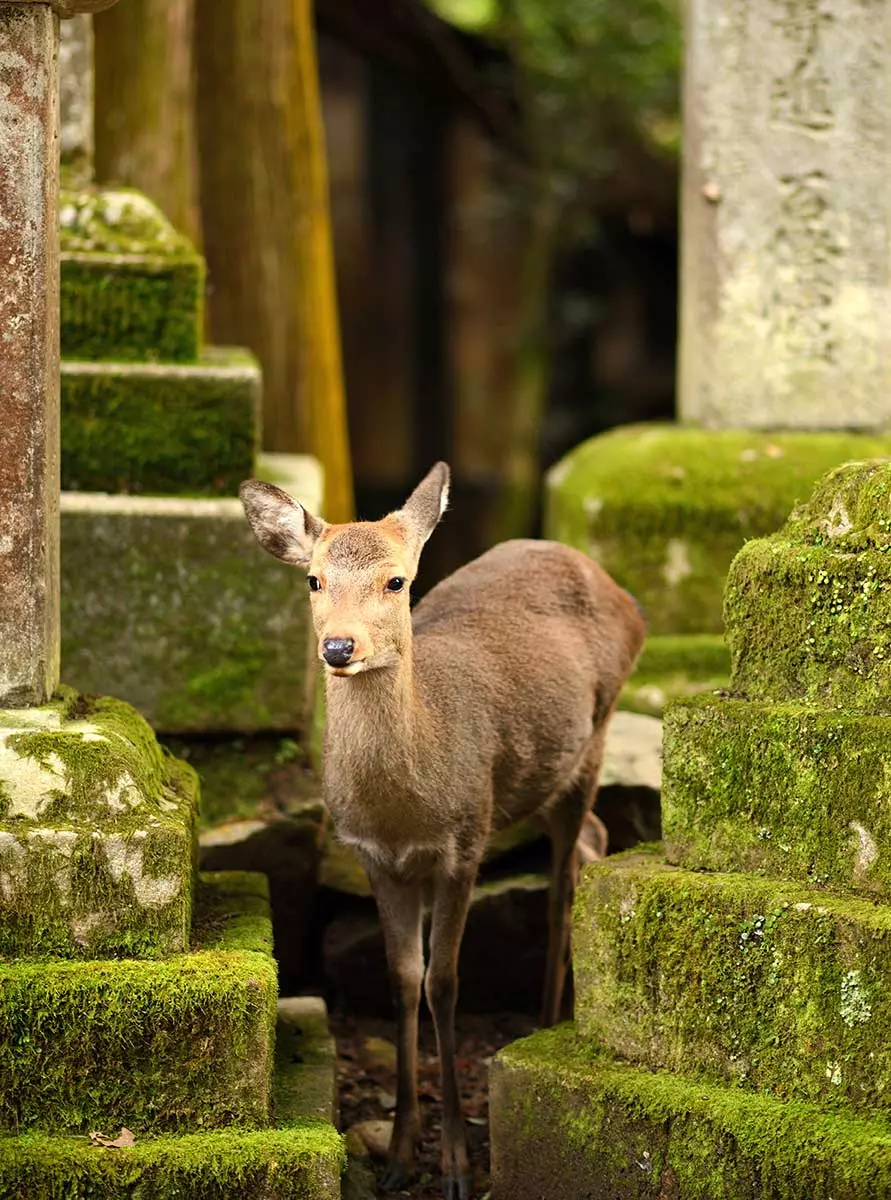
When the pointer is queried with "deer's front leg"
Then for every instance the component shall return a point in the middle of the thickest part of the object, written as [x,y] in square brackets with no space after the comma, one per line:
[451,901]
[400,907]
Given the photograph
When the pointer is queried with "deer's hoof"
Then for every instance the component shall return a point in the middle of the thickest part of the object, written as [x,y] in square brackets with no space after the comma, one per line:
[456,1187]
[395,1177]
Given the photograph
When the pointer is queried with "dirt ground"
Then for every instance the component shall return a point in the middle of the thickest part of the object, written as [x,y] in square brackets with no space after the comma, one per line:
[367,1083]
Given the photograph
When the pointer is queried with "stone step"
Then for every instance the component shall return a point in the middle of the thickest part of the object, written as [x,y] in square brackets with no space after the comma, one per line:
[768,985]
[674,666]
[178,1044]
[300,1156]
[792,791]
[665,508]
[161,427]
[132,288]
[171,604]
[569,1123]
[97,833]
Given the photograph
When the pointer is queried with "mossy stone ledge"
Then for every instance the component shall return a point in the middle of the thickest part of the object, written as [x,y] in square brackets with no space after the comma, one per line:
[97,833]
[665,508]
[808,611]
[673,666]
[161,428]
[569,1122]
[781,789]
[132,288]
[763,984]
[181,1043]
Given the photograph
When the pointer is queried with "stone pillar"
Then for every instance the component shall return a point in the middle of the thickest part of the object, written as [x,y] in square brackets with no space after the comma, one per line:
[786,276]
[29,349]
[76,98]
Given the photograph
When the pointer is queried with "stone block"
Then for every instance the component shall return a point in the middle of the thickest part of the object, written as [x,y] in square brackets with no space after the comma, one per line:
[768,985]
[808,611]
[161,428]
[785,790]
[665,508]
[182,1043]
[171,604]
[306,1060]
[97,833]
[570,1123]
[132,288]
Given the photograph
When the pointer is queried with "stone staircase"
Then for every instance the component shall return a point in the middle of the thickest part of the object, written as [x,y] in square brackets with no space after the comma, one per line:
[732,992]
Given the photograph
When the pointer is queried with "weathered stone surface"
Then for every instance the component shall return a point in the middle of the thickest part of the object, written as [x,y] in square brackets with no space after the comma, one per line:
[171,604]
[568,1123]
[177,1044]
[132,287]
[791,791]
[665,508]
[29,358]
[161,428]
[786,297]
[76,98]
[97,833]
[768,985]
[306,1058]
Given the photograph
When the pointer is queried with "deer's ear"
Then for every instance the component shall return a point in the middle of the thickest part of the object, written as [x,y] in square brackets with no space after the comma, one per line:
[282,526]
[427,503]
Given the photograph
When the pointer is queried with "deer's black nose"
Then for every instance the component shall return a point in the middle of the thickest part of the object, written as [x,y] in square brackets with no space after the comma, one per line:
[337,652]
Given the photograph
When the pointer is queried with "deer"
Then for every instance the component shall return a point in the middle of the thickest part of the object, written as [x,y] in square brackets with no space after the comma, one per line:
[486,703]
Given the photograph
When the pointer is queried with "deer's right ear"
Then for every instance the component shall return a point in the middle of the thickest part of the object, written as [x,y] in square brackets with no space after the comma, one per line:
[282,526]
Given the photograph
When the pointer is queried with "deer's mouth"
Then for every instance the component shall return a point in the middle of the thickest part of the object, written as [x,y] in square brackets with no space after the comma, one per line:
[351,668]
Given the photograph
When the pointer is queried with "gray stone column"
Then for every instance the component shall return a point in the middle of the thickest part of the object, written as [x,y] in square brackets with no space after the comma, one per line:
[786,269]
[76,98]
[29,349]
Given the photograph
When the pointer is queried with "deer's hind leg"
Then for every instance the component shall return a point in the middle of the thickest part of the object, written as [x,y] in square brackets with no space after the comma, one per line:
[564,818]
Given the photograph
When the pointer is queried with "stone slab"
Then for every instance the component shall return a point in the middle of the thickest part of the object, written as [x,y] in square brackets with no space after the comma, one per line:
[97,833]
[132,288]
[569,1123]
[171,604]
[184,1043]
[665,508]
[306,1058]
[785,790]
[768,985]
[164,428]
[786,286]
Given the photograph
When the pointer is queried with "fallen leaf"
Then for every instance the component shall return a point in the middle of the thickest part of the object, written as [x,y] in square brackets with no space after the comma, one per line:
[125,1138]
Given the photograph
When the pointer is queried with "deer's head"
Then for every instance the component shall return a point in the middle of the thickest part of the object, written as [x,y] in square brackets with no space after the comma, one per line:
[359,575]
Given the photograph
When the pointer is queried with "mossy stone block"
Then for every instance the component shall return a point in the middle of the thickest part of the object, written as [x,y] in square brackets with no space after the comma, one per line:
[171,604]
[673,666]
[764,984]
[182,1043]
[808,611]
[779,789]
[132,288]
[568,1122]
[97,833]
[161,428]
[665,508]
[306,1060]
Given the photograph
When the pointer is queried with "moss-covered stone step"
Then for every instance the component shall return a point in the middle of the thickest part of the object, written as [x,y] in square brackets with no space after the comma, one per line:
[808,611]
[171,604]
[673,666]
[181,1043]
[569,1123]
[300,1158]
[132,288]
[165,428]
[666,507]
[783,789]
[769,985]
[97,832]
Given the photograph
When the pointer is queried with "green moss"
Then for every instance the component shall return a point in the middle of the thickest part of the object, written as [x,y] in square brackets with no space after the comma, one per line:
[570,1123]
[673,667]
[132,288]
[162,429]
[665,508]
[786,790]
[766,985]
[181,1043]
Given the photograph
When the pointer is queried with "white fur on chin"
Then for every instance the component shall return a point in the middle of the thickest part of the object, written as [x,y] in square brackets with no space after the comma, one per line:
[353,668]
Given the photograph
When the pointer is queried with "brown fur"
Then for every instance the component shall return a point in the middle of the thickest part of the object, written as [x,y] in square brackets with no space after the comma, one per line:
[489,704]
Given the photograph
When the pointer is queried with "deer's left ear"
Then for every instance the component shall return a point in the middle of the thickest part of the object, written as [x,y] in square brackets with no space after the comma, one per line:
[282,526]
[424,507]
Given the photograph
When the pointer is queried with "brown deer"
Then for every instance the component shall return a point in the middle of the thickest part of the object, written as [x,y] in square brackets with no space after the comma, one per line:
[487,704]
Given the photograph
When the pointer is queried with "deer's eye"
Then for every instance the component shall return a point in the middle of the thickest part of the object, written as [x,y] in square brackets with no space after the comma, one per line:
[396,584]
[315,584]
